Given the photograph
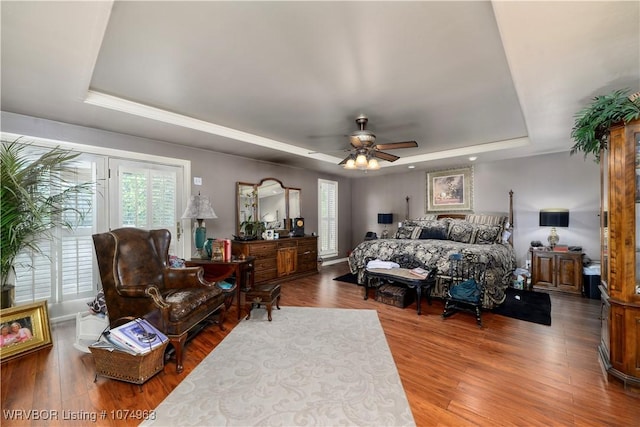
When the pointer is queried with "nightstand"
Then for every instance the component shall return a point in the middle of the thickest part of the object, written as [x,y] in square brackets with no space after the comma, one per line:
[557,271]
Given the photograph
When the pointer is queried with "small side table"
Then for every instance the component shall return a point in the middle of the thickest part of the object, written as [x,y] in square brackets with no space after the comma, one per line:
[215,271]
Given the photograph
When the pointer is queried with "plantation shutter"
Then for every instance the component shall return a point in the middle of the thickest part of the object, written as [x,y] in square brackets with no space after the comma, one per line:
[328,217]
[65,269]
[145,195]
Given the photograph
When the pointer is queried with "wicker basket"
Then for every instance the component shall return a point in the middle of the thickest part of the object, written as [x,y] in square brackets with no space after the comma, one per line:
[123,366]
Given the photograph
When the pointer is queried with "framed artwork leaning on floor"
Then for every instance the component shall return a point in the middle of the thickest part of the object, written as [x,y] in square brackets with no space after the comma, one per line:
[24,329]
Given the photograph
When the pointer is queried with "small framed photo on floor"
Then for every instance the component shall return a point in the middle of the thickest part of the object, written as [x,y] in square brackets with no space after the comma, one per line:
[24,329]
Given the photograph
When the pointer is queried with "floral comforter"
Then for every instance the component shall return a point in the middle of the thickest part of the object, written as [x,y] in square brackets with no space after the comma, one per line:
[500,259]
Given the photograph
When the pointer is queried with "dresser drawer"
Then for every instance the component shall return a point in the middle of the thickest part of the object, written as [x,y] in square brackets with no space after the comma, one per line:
[265,264]
[262,250]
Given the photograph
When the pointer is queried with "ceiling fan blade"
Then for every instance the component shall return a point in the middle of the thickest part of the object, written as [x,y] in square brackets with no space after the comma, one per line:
[345,160]
[394,145]
[384,156]
[355,141]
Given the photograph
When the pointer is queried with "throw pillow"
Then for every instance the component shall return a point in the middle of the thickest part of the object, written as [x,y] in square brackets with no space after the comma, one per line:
[487,234]
[98,305]
[407,231]
[461,231]
[435,232]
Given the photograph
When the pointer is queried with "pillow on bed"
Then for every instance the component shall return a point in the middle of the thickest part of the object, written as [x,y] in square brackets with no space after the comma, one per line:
[407,231]
[487,234]
[436,233]
[461,231]
[427,217]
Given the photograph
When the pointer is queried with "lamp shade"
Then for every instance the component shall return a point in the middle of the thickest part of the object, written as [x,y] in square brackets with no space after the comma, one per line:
[199,207]
[554,218]
[385,218]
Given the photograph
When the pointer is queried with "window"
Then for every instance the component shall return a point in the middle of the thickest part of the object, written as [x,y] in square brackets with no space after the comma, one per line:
[64,271]
[145,195]
[147,192]
[328,217]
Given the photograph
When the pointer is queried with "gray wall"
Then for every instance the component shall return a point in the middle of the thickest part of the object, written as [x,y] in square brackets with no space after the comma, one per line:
[553,180]
[219,172]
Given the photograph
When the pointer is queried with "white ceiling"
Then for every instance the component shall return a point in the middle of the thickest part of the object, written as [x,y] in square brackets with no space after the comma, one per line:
[277,80]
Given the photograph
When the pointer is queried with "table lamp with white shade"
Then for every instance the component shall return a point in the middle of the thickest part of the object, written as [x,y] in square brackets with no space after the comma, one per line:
[199,208]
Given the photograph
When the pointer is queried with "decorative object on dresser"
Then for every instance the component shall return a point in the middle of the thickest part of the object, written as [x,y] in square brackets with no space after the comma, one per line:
[554,218]
[199,208]
[557,270]
[298,227]
[450,190]
[138,282]
[386,219]
[290,257]
[619,347]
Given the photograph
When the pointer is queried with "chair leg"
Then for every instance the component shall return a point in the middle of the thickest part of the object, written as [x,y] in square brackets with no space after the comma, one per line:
[278,302]
[178,345]
[223,313]
[268,305]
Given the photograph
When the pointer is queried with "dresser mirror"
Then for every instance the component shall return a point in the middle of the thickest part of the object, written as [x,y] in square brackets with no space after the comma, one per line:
[267,205]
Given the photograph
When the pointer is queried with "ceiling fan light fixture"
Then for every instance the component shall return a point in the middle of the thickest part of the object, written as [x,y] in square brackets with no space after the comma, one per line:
[351,164]
[361,161]
[373,164]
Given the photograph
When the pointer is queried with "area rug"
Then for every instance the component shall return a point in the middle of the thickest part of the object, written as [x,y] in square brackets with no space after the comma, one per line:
[309,366]
[526,305]
[348,278]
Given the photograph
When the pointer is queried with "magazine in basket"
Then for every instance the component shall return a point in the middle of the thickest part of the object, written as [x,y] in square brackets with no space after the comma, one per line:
[138,335]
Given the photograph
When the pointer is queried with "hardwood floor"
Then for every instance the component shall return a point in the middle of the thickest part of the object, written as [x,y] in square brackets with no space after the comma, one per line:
[508,373]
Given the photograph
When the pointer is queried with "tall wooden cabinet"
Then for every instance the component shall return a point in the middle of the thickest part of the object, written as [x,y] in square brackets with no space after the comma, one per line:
[557,271]
[620,288]
[280,259]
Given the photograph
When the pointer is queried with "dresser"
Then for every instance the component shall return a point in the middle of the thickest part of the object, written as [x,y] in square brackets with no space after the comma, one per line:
[557,271]
[280,259]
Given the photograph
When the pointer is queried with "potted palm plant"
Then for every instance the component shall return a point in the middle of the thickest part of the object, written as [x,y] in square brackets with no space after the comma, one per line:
[591,128]
[34,195]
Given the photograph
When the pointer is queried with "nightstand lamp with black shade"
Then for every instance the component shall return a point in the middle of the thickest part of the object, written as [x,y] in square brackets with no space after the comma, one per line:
[386,219]
[554,218]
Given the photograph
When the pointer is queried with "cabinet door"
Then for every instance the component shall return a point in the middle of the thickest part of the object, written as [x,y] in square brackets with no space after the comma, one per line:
[569,273]
[543,269]
[287,261]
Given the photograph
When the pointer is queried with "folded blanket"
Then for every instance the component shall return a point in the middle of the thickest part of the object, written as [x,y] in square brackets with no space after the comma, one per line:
[376,263]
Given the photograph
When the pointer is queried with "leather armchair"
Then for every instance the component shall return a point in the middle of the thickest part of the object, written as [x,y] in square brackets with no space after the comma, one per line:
[138,282]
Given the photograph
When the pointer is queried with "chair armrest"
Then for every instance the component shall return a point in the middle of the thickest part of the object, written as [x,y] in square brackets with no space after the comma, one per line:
[158,300]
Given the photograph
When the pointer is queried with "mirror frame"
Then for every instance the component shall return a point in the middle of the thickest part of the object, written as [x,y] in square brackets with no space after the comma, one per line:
[253,208]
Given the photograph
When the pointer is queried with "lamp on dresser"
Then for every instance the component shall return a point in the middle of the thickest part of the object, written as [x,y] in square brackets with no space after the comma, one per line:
[554,218]
[199,208]
[386,219]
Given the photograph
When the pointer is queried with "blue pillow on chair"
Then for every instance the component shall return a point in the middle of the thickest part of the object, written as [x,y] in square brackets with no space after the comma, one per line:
[466,291]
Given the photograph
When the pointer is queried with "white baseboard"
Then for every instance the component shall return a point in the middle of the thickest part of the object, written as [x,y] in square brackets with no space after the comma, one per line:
[335,261]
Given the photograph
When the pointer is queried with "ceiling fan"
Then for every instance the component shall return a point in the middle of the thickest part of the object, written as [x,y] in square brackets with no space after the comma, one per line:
[365,151]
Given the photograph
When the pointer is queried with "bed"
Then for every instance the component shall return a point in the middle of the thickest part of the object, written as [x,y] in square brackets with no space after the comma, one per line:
[431,239]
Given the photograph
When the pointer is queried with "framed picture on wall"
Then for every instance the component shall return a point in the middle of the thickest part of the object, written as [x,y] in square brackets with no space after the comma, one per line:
[25,329]
[450,190]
